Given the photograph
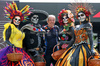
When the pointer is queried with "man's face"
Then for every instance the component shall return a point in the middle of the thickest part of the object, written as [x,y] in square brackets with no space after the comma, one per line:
[34,19]
[51,21]
[81,16]
[17,20]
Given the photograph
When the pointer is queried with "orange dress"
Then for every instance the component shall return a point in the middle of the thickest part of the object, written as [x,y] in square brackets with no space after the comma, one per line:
[78,54]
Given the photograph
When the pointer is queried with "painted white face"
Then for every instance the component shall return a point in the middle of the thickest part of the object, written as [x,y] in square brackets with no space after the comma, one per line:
[34,19]
[16,20]
[65,19]
[81,16]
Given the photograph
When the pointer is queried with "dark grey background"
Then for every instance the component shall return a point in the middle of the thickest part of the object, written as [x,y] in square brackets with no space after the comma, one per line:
[55,8]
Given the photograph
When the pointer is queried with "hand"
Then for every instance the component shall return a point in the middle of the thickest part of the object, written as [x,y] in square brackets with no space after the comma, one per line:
[61,43]
[41,50]
[12,45]
[37,49]
[93,52]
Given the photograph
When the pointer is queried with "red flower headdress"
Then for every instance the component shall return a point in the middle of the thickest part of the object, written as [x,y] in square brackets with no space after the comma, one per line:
[84,7]
[12,10]
[70,15]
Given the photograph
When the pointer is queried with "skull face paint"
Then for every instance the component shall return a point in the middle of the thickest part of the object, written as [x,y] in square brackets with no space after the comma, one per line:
[34,19]
[81,16]
[16,20]
[65,18]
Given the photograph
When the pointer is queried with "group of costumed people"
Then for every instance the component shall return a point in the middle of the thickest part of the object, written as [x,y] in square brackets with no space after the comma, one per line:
[23,35]
[28,39]
[80,46]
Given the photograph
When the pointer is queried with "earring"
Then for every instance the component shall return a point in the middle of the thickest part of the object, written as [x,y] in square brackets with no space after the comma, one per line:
[86,19]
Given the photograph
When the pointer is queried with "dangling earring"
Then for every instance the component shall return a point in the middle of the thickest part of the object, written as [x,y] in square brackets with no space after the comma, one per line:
[86,19]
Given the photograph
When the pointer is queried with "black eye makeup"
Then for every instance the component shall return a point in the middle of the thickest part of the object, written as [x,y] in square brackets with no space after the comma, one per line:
[81,15]
[15,18]
[18,19]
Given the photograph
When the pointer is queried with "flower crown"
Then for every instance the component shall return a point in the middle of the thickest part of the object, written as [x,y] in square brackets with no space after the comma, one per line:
[84,7]
[12,10]
[70,15]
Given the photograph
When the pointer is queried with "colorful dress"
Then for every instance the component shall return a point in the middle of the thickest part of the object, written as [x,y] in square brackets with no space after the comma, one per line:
[16,38]
[78,54]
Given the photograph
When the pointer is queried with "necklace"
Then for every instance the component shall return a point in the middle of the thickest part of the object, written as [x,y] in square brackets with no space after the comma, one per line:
[64,37]
[66,27]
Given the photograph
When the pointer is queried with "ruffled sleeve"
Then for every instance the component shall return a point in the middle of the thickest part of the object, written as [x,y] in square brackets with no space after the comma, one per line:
[6,26]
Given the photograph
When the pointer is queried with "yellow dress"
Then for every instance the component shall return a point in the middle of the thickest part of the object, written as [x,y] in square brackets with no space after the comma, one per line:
[16,36]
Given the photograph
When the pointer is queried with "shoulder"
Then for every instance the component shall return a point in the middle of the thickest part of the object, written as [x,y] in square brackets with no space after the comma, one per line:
[88,25]
[56,26]
[44,27]
[72,28]
[7,25]
[27,27]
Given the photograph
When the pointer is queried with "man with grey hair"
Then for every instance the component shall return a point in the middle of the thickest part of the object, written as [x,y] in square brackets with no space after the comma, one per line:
[51,38]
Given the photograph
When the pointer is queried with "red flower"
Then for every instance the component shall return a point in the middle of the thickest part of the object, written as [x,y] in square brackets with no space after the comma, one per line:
[87,13]
[62,38]
[45,27]
[76,17]
[34,28]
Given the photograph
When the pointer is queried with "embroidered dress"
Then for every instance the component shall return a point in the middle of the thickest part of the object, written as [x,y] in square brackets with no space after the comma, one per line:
[78,54]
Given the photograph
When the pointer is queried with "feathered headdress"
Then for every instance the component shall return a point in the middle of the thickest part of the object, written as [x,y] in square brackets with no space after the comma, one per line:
[70,15]
[12,10]
[84,7]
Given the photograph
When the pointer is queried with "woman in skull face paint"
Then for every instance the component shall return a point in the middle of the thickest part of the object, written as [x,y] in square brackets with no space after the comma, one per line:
[13,36]
[78,54]
[8,32]
[66,20]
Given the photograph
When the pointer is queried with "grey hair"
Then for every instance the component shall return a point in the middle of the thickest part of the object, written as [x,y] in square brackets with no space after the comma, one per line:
[51,16]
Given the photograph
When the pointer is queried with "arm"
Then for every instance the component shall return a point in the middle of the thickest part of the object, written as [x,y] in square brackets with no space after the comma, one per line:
[26,40]
[72,39]
[8,33]
[90,35]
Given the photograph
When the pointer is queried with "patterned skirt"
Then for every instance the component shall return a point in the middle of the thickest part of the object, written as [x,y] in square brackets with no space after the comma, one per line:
[25,61]
[77,55]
